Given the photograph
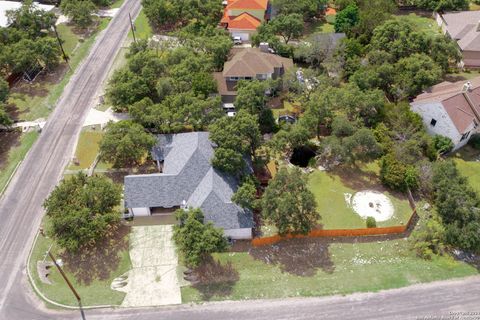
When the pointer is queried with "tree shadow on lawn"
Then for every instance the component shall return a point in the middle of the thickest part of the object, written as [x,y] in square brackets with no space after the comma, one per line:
[301,257]
[358,179]
[212,278]
[99,262]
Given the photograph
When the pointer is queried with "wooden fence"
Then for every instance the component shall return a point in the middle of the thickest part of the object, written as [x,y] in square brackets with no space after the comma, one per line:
[361,232]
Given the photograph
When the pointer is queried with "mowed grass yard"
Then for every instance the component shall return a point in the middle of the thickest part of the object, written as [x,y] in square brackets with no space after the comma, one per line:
[87,150]
[468,163]
[91,276]
[15,155]
[295,268]
[143,30]
[420,23]
[330,188]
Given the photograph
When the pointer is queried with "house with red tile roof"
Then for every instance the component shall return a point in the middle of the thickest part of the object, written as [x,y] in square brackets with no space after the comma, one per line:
[242,17]
[451,109]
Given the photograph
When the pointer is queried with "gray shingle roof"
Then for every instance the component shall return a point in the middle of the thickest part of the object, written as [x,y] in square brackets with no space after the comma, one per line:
[188,175]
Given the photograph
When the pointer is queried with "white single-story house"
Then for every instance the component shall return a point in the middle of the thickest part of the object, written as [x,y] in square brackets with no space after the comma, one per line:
[188,180]
[451,109]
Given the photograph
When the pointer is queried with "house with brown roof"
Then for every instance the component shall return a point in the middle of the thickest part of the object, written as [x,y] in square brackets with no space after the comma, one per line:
[451,109]
[464,28]
[249,64]
[242,17]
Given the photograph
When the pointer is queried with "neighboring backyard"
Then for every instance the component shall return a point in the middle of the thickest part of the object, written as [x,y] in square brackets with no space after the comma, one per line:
[304,267]
[332,191]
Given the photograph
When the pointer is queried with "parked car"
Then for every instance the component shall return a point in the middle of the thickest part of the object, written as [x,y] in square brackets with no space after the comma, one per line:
[237,40]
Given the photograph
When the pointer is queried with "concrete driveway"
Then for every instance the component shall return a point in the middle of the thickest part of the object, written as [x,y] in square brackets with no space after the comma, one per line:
[153,279]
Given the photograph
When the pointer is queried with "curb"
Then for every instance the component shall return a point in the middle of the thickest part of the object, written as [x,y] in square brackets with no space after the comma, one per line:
[11,177]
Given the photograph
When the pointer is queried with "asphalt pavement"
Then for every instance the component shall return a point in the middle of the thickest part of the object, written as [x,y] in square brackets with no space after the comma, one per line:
[21,205]
[21,213]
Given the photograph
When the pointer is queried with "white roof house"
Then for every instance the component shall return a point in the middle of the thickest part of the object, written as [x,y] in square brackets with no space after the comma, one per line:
[14,5]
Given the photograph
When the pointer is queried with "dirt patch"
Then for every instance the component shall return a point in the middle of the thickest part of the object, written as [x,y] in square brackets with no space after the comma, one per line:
[8,140]
[302,257]
[98,262]
[214,279]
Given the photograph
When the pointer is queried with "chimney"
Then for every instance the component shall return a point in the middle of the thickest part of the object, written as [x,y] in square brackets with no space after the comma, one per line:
[478,26]
[467,86]
[264,47]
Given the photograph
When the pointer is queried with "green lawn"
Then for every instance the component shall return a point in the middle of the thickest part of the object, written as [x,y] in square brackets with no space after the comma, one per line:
[287,107]
[467,160]
[421,24]
[91,279]
[330,188]
[117,4]
[87,149]
[15,155]
[70,39]
[143,30]
[324,269]
[320,26]
[474,6]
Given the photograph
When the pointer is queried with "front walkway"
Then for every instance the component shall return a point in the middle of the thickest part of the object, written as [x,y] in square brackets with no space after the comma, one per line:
[153,279]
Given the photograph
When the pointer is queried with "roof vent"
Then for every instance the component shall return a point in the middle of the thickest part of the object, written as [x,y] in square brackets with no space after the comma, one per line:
[467,87]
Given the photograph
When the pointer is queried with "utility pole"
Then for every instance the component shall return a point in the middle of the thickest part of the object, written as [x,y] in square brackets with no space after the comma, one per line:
[64,276]
[132,26]
[65,57]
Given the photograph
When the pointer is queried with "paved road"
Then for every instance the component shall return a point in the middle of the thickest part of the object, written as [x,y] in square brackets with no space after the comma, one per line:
[20,208]
[20,216]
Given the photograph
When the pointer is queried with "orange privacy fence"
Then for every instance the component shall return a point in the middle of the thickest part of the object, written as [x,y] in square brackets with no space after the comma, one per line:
[256,242]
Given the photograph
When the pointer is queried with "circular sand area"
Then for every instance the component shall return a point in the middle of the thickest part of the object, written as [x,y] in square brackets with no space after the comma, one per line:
[372,204]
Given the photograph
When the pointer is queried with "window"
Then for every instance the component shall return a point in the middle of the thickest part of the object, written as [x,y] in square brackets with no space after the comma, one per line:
[433,122]
[465,136]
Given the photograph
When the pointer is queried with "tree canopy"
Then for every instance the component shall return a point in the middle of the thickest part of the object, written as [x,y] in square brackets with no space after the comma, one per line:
[82,211]
[80,11]
[126,143]
[289,204]
[196,239]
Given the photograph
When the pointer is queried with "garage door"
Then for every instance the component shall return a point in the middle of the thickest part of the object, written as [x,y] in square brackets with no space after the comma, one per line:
[243,35]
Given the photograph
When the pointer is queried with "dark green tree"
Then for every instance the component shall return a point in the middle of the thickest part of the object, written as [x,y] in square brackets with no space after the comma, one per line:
[196,239]
[289,204]
[288,26]
[80,11]
[82,211]
[346,19]
[125,143]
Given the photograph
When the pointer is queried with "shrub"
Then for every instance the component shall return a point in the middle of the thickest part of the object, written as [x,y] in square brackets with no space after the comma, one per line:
[371,222]
[475,140]
[442,144]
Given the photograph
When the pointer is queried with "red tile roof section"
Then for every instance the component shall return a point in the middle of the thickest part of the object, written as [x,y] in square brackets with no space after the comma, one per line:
[248,4]
[245,21]
[462,107]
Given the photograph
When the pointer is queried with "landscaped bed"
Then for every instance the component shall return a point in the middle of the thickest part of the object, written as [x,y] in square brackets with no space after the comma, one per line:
[303,267]
[339,192]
